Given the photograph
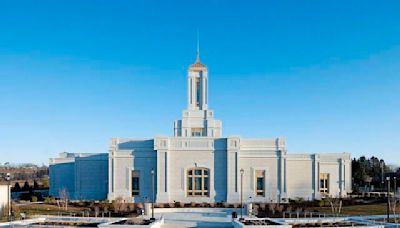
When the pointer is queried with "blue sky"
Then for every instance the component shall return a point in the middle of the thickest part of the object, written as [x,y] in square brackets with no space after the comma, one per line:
[73,74]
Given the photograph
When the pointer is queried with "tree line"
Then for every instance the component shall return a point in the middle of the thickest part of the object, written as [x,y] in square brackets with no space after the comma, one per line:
[371,172]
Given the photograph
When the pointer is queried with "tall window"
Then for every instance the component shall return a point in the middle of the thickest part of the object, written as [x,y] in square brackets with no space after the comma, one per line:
[324,183]
[198,182]
[198,92]
[260,182]
[135,183]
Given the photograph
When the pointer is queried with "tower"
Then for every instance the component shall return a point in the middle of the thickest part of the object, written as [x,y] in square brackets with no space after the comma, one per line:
[197,119]
[197,84]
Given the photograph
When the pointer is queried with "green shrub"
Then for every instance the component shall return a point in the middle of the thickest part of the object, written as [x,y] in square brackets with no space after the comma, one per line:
[34,199]
[220,204]
[49,200]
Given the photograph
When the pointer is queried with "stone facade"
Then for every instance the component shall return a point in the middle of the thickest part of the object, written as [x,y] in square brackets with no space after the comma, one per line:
[197,164]
[81,176]
[286,175]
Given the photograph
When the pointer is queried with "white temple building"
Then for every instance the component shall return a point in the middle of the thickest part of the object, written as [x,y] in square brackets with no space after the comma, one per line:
[198,164]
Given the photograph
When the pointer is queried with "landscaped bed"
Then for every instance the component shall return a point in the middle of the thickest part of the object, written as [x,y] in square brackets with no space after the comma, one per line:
[133,221]
[66,223]
[253,222]
[258,222]
[327,224]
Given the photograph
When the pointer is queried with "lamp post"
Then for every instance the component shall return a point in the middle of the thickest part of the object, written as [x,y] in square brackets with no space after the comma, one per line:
[382,172]
[8,179]
[388,198]
[241,193]
[394,195]
[152,193]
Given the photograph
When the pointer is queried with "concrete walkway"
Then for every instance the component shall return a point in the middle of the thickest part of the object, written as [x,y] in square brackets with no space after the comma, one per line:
[196,217]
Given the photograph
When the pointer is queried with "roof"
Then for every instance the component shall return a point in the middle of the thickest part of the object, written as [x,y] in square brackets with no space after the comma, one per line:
[197,66]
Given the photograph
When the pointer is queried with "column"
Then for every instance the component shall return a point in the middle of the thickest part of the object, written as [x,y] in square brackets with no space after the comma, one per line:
[204,91]
[189,92]
[341,177]
[193,86]
[282,175]
[316,176]
[162,177]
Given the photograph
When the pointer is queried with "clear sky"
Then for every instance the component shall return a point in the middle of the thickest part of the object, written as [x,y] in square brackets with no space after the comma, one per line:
[323,74]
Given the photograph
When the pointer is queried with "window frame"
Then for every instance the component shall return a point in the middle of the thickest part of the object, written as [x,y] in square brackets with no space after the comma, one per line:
[192,175]
[260,174]
[198,91]
[324,183]
[135,174]
[197,132]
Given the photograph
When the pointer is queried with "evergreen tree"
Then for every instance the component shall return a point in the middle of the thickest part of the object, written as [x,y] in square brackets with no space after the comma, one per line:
[26,186]
[35,185]
[368,171]
[17,188]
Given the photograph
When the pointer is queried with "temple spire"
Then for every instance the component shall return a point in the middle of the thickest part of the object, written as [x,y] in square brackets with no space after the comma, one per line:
[198,48]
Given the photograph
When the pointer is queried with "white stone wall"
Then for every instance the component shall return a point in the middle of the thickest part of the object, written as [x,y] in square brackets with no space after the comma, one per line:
[177,175]
[303,170]
[252,155]
[176,155]
[287,176]
[91,177]
[299,177]
[62,177]
[82,176]
[4,194]
[127,155]
[250,166]
[339,168]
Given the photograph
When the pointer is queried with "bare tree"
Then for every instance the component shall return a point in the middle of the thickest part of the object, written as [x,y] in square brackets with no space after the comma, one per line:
[96,210]
[280,208]
[105,210]
[336,204]
[392,205]
[117,205]
[131,207]
[64,197]
[272,208]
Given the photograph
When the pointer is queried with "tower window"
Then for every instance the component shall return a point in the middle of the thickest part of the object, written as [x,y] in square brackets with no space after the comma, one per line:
[198,182]
[197,132]
[190,91]
[198,92]
[206,84]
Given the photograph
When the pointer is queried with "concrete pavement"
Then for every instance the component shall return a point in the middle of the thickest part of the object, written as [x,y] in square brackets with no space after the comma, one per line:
[196,217]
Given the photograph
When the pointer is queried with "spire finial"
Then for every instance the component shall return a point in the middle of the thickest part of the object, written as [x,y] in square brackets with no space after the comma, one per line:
[198,48]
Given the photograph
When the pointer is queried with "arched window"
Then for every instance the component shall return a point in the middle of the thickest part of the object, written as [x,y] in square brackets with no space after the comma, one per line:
[198,182]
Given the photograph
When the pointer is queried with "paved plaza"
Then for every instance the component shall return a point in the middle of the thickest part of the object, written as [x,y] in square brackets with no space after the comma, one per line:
[196,217]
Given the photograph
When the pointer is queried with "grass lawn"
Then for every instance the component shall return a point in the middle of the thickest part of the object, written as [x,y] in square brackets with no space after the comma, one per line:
[371,209]
[47,209]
